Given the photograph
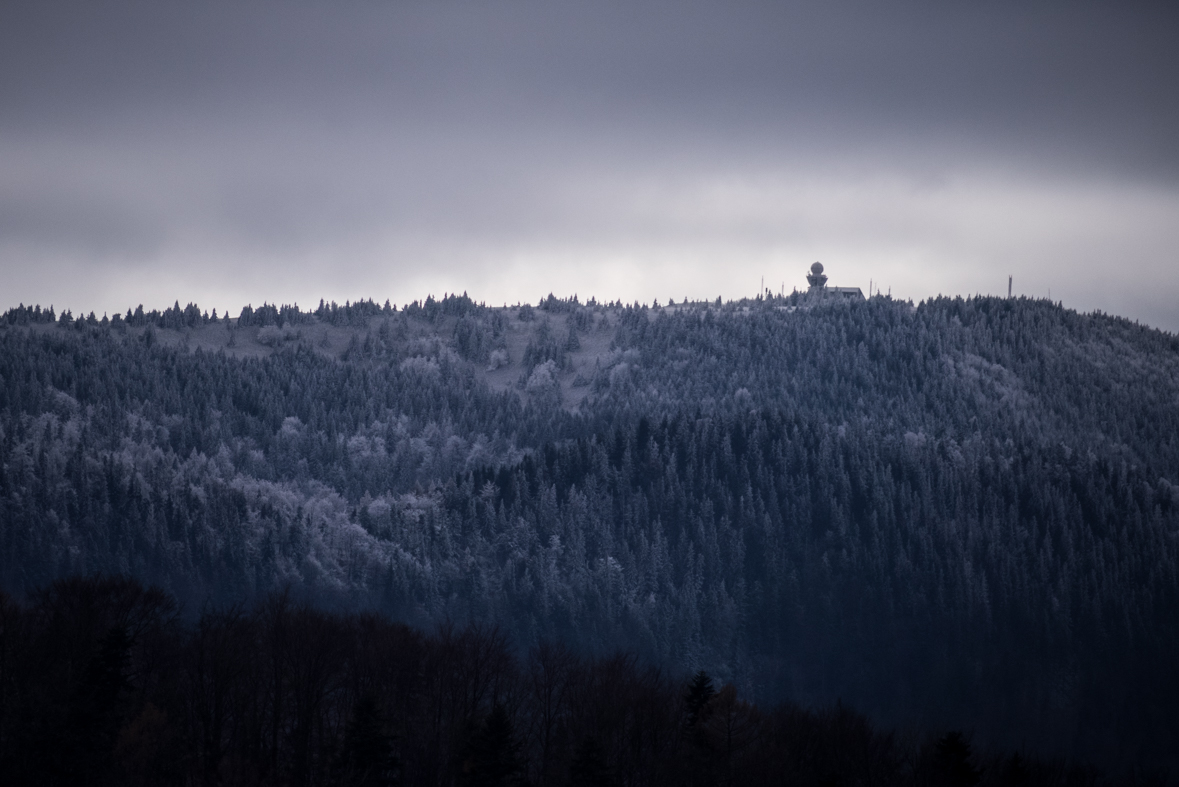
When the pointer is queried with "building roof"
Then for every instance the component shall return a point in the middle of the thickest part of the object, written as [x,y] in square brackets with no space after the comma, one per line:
[818,284]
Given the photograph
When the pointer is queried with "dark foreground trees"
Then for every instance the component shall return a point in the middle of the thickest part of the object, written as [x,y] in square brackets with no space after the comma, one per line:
[102,682]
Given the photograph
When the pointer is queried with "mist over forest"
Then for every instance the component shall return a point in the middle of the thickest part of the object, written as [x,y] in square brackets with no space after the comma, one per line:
[956,515]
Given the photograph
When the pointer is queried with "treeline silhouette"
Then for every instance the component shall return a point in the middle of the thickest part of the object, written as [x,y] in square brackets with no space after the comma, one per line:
[191,316]
[102,682]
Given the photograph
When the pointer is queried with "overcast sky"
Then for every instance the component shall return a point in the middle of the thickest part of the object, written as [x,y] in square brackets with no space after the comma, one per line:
[240,152]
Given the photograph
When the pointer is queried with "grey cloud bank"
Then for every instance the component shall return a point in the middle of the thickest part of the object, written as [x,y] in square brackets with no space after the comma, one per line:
[233,153]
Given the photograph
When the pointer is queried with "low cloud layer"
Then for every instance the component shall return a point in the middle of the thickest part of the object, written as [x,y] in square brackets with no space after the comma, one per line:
[231,154]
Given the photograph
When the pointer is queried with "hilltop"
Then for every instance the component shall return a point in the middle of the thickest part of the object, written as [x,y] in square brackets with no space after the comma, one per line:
[964,511]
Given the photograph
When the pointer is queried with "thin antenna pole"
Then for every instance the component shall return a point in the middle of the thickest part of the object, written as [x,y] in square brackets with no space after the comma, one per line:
[1008,286]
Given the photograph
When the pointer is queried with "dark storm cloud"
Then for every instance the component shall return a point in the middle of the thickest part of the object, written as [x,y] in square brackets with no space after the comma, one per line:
[1100,78]
[357,144]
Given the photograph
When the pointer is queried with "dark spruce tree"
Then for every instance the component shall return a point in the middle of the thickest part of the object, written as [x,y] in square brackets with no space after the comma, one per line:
[493,753]
[368,757]
[697,696]
[589,767]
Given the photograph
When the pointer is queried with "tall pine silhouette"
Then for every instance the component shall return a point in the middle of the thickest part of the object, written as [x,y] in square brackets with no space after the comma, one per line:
[493,756]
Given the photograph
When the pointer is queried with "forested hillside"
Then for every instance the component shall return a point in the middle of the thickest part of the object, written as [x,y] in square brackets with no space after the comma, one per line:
[961,513]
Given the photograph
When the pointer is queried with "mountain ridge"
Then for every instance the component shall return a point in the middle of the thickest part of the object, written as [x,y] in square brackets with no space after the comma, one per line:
[903,505]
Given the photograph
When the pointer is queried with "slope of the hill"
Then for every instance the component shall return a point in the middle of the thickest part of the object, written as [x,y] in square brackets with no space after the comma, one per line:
[965,512]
